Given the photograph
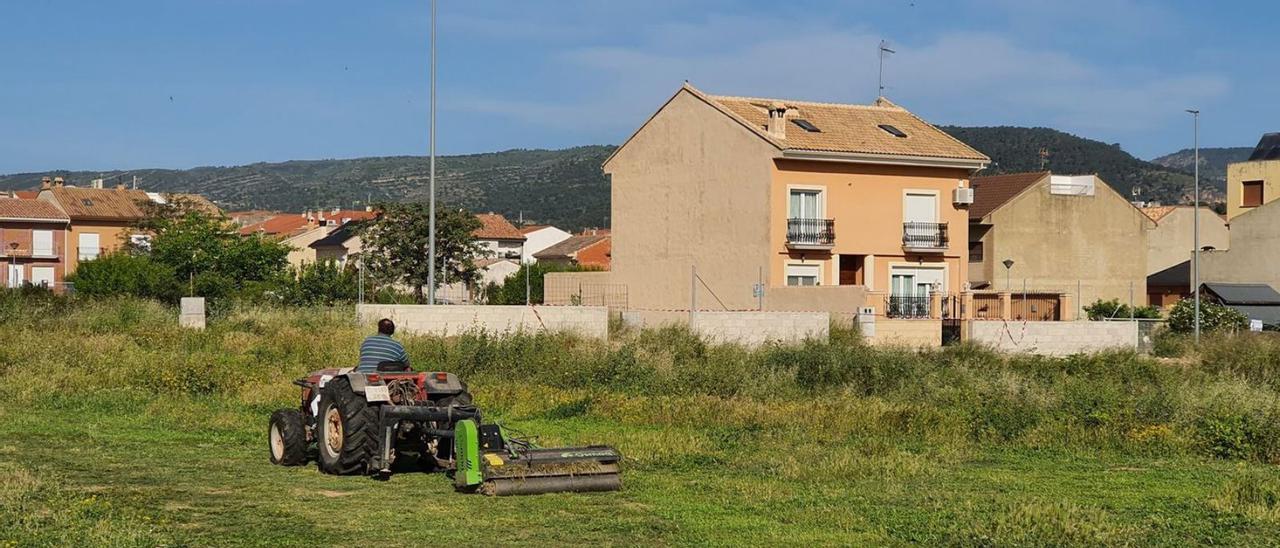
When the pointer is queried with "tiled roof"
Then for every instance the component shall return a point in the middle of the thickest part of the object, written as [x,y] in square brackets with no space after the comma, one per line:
[339,236]
[496,227]
[26,194]
[1158,212]
[17,208]
[567,248]
[532,228]
[100,203]
[989,193]
[285,224]
[846,128]
[347,214]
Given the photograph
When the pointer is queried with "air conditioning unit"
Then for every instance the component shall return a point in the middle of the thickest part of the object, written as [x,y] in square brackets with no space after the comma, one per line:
[962,196]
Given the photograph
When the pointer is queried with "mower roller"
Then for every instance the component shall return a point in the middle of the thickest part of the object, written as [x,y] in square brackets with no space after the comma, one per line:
[366,423]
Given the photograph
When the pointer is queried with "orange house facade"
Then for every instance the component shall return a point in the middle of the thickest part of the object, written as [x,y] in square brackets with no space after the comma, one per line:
[784,195]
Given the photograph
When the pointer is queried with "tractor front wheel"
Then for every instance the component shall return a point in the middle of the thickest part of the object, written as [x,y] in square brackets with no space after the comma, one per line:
[346,430]
[287,437]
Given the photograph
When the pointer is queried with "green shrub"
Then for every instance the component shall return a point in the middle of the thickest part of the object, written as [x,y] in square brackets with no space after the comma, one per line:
[1213,317]
[125,274]
[512,289]
[1101,310]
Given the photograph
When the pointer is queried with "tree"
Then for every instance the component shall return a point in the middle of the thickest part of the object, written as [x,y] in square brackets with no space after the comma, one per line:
[1213,317]
[396,246]
[205,251]
[512,289]
[125,274]
[1113,309]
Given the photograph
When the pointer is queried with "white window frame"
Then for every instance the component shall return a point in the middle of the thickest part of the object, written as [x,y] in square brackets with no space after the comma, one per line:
[822,198]
[35,280]
[48,252]
[80,252]
[806,270]
[899,266]
[937,202]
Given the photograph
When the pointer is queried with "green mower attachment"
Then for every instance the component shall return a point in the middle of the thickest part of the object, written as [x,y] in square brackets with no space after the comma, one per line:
[491,462]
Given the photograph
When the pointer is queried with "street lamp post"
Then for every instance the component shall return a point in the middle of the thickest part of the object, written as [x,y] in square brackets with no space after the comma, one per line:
[1008,269]
[1195,253]
[431,227]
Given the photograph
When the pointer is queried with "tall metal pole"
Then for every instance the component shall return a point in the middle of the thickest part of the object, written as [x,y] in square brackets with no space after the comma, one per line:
[431,238]
[1195,262]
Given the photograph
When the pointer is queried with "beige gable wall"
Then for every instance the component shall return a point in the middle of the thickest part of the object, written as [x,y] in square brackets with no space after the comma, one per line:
[691,188]
[1172,240]
[300,251]
[1254,256]
[1099,242]
[1266,171]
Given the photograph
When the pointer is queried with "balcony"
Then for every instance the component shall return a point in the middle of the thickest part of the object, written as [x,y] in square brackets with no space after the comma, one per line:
[14,250]
[819,234]
[924,237]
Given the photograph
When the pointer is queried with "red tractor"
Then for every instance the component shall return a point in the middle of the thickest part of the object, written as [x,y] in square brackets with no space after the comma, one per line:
[363,423]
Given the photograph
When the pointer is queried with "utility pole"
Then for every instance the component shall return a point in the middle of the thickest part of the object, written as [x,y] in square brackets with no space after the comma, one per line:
[431,238]
[1195,253]
[884,48]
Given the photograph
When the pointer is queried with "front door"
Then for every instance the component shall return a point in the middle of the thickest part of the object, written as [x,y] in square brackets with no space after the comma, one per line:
[14,278]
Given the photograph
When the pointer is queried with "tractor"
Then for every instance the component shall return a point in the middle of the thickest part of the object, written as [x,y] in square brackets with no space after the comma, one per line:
[364,423]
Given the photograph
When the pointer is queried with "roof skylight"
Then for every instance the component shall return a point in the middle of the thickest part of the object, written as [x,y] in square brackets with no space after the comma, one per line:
[893,131]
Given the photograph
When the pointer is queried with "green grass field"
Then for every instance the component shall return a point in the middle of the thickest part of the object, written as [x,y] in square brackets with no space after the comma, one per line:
[118,428]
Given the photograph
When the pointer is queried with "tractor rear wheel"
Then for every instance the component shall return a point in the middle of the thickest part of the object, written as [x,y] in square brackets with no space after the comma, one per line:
[287,438]
[346,430]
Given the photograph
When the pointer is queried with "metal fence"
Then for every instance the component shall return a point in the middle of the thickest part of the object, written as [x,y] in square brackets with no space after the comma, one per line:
[572,292]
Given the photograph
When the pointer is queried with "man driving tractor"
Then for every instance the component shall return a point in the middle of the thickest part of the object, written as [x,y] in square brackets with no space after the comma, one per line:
[380,347]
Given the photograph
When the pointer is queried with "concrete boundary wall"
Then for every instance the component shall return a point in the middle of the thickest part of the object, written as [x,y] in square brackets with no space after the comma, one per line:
[745,328]
[1054,338]
[912,333]
[588,321]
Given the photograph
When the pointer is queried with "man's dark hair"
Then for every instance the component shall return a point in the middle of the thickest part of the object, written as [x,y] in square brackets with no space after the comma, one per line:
[386,327]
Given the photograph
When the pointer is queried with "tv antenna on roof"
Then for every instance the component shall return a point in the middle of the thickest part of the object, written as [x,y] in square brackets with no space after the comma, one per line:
[1044,158]
[884,48]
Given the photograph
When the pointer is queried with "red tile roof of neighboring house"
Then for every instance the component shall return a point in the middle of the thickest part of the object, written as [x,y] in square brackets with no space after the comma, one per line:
[25,209]
[112,204]
[344,215]
[533,228]
[568,248]
[989,193]
[26,194]
[285,224]
[496,227]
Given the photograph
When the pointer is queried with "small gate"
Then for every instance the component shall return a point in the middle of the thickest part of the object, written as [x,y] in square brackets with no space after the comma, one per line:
[952,312]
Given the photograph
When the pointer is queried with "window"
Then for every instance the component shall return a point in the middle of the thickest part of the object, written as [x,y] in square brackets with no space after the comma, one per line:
[806,125]
[42,243]
[1252,194]
[42,276]
[89,249]
[803,274]
[805,204]
[893,131]
[975,251]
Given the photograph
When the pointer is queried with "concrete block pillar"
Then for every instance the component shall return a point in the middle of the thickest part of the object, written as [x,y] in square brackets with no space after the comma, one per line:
[966,305]
[1006,305]
[935,305]
[192,314]
[1066,307]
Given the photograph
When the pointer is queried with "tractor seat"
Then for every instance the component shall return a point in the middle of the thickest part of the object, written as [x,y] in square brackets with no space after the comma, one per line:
[393,367]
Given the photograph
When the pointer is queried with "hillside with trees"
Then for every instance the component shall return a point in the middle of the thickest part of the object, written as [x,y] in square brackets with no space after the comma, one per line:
[562,187]
[1213,162]
[1018,149]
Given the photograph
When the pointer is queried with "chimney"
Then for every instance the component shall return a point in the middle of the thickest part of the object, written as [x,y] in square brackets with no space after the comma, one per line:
[58,182]
[46,183]
[120,186]
[95,183]
[777,121]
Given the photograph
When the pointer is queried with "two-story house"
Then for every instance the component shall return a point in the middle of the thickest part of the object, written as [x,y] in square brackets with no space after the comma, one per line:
[780,192]
[33,242]
[102,219]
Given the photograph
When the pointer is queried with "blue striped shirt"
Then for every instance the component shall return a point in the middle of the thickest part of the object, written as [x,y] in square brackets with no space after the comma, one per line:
[380,348]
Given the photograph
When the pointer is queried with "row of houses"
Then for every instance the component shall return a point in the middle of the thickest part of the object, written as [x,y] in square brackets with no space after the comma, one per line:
[780,204]
[45,233]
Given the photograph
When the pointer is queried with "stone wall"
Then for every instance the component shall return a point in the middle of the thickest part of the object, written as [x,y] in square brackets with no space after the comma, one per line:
[588,321]
[1054,338]
[745,328]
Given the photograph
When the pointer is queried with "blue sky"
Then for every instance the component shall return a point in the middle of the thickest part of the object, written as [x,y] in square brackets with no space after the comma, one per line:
[183,83]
